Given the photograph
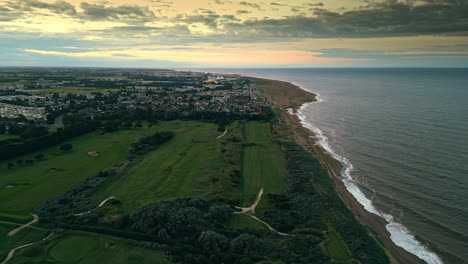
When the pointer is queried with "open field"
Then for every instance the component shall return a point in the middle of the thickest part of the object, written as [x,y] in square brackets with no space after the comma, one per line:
[25,236]
[25,186]
[263,164]
[87,248]
[184,166]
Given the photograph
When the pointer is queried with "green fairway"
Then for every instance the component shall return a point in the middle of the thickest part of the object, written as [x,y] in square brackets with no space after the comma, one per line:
[25,236]
[337,248]
[184,166]
[87,248]
[7,136]
[263,164]
[25,186]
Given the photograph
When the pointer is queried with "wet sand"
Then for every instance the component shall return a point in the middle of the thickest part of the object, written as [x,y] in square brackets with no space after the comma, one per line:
[286,95]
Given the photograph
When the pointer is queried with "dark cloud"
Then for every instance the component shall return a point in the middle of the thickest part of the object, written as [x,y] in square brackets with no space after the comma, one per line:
[242,12]
[295,9]
[219,2]
[59,7]
[13,10]
[253,5]
[277,4]
[389,18]
[320,4]
[125,13]
[122,55]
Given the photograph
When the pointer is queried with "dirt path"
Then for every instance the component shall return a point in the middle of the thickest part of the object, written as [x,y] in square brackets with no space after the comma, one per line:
[222,135]
[12,252]
[101,204]
[250,212]
[35,219]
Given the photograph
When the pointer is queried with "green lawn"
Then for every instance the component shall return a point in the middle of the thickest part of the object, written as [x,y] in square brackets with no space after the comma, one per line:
[263,164]
[25,236]
[24,187]
[184,166]
[337,248]
[87,248]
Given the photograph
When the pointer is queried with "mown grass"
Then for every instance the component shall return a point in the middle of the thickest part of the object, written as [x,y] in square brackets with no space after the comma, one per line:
[184,166]
[25,236]
[263,164]
[24,187]
[87,248]
[7,136]
[337,248]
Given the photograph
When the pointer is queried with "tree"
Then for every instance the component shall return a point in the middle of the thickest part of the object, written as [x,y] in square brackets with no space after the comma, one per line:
[39,156]
[212,241]
[127,124]
[221,212]
[10,165]
[163,235]
[66,147]
[249,245]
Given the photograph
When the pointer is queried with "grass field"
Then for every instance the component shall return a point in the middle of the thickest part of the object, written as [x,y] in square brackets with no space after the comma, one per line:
[337,248]
[7,136]
[263,164]
[87,248]
[24,187]
[184,166]
[25,236]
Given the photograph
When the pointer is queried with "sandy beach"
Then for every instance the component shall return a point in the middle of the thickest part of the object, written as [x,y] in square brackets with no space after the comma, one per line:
[284,96]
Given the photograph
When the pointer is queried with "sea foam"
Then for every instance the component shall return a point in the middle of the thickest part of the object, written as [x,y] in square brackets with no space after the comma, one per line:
[399,234]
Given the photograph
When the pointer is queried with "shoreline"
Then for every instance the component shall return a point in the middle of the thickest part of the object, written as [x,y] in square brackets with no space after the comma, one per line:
[287,96]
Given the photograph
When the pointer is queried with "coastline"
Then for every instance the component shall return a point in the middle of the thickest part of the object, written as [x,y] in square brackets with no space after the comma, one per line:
[289,99]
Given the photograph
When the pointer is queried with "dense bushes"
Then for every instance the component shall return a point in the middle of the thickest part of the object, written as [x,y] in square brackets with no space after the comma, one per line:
[149,143]
[312,202]
[66,204]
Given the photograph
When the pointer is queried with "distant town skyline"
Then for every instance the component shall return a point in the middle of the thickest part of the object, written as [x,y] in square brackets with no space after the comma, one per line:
[229,33]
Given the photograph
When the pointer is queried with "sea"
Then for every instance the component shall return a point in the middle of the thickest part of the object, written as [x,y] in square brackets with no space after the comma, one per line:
[402,137]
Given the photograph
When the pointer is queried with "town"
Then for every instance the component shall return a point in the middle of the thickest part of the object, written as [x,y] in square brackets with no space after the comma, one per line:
[41,97]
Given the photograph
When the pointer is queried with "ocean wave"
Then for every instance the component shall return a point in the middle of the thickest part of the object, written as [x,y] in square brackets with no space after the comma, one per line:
[399,234]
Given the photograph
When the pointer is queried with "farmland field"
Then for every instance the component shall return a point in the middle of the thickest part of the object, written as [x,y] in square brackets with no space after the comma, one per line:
[88,248]
[25,186]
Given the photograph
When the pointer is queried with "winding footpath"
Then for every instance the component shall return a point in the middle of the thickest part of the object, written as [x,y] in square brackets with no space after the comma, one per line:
[35,219]
[12,252]
[250,212]
[101,204]
[222,135]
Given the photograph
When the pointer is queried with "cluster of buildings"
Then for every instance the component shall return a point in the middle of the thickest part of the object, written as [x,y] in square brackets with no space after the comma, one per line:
[159,90]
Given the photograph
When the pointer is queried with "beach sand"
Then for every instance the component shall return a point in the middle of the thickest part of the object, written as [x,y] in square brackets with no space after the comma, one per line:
[286,95]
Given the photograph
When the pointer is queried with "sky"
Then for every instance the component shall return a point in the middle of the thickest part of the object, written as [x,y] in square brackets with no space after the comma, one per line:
[234,33]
